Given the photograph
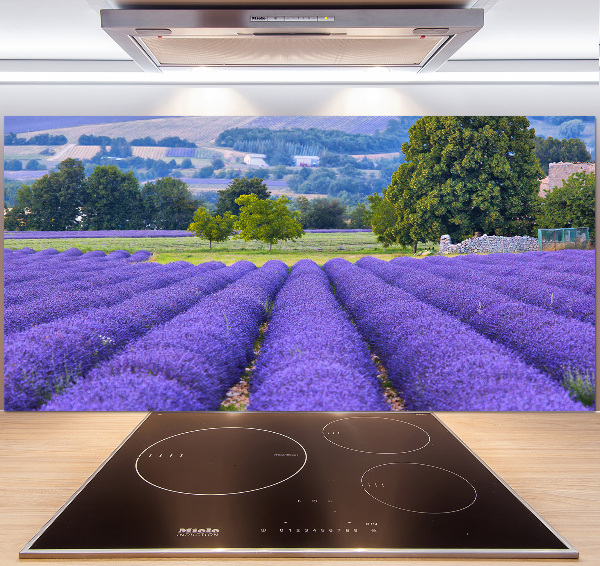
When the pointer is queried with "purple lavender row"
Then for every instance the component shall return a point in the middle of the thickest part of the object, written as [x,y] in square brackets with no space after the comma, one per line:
[75,276]
[50,357]
[461,370]
[531,274]
[130,233]
[547,261]
[33,235]
[556,345]
[54,306]
[312,358]
[191,361]
[30,267]
[518,286]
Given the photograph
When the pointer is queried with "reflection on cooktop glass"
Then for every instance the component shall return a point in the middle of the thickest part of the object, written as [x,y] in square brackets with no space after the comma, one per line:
[295,484]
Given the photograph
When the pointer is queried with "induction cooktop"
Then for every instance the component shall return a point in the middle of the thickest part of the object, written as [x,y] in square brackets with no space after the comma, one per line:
[295,484]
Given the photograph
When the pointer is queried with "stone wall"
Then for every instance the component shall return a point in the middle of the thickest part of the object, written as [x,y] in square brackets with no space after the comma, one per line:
[489,244]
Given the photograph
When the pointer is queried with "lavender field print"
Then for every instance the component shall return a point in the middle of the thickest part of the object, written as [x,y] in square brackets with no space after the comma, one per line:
[299,263]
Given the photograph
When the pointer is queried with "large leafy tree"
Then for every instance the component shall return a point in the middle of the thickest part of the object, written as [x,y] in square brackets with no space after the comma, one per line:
[212,228]
[266,220]
[552,150]
[113,200]
[321,213]
[360,217]
[53,201]
[465,174]
[241,186]
[168,204]
[383,219]
[570,206]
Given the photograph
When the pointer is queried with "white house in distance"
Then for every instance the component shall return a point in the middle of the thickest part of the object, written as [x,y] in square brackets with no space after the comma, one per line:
[306,160]
[255,160]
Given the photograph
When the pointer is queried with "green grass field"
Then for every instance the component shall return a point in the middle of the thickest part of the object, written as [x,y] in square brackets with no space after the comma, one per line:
[319,247]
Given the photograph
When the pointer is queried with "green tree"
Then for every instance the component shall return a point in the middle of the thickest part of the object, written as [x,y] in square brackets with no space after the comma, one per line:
[238,187]
[53,201]
[322,213]
[465,174]
[552,150]
[360,217]
[168,204]
[383,219]
[266,220]
[113,200]
[570,206]
[15,218]
[13,165]
[33,165]
[206,172]
[217,163]
[212,228]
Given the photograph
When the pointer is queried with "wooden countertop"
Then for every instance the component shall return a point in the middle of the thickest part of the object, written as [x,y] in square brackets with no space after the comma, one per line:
[552,460]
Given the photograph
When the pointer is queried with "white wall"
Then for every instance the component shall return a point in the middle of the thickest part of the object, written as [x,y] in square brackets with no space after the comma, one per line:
[416,99]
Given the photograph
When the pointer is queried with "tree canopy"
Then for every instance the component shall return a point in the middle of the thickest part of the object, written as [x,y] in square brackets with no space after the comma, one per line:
[212,228]
[570,206]
[113,200]
[168,204]
[465,174]
[321,213]
[51,202]
[266,220]
[360,217]
[383,218]
[552,150]
[240,186]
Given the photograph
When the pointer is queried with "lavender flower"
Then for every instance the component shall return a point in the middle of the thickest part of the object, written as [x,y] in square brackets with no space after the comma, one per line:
[552,343]
[202,352]
[312,358]
[50,357]
[436,362]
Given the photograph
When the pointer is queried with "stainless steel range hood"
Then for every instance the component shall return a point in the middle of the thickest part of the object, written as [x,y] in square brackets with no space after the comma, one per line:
[415,39]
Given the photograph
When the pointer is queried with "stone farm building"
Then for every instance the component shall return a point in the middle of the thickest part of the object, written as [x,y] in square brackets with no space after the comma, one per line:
[559,172]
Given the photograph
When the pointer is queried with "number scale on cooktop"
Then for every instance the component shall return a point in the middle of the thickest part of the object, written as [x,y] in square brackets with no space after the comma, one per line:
[295,484]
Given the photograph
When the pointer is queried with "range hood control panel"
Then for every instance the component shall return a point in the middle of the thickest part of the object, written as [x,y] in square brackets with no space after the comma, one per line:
[292,18]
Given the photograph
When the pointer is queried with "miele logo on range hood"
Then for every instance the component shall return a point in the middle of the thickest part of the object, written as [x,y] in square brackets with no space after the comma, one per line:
[415,39]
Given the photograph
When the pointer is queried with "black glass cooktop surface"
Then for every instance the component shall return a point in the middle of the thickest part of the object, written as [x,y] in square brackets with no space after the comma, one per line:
[295,484]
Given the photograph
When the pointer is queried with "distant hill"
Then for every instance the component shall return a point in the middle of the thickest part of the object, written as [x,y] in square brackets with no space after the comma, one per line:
[25,124]
[199,129]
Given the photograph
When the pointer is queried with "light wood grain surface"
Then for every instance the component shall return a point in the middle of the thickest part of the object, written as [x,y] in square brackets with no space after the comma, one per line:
[552,460]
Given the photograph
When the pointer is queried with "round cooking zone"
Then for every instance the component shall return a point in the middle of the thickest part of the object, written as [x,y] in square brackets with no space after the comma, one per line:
[376,435]
[419,488]
[221,461]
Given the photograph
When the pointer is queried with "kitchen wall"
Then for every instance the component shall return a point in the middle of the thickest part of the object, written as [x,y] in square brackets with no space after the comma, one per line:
[415,99]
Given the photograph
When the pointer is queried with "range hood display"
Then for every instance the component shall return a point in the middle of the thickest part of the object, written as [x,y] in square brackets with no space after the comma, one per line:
[415,39]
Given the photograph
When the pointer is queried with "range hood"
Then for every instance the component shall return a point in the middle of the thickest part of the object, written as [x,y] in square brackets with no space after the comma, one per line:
[414,39]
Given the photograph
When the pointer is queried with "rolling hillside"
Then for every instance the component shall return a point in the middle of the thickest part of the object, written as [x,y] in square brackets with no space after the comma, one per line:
[204,129]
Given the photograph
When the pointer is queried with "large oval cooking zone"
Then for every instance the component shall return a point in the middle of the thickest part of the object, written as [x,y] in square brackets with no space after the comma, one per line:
[221,461]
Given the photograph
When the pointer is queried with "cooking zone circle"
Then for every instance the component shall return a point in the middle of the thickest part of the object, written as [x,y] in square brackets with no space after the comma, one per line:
[418,488]
[221,461]
[376,435]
